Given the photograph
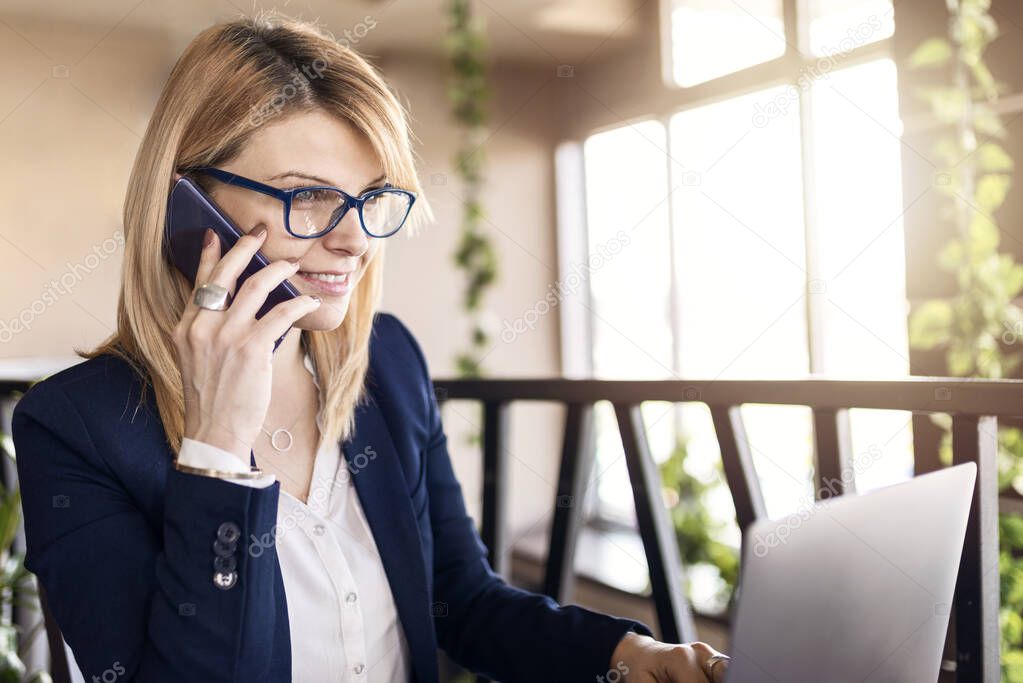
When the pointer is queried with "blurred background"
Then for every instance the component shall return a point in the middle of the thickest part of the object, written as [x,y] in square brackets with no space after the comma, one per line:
[624,189]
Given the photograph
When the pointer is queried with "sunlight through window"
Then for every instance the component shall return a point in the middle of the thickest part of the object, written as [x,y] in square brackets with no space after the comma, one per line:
[754,29]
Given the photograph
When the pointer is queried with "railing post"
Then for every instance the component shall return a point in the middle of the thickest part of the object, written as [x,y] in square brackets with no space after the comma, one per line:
[495,487]
[977,590]
[737,460]
[495,483]
[833,472]
[659,541]
[576,465]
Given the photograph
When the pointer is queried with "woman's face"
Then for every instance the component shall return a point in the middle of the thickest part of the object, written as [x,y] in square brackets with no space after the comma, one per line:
[309,148]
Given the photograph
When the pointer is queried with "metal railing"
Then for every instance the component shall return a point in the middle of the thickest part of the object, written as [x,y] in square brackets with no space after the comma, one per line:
[975,406]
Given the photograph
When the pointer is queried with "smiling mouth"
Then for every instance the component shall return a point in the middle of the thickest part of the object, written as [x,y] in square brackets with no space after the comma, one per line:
[328,283]
[326,277]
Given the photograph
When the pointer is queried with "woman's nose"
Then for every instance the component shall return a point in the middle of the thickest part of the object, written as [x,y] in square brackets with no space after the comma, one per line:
[347,235]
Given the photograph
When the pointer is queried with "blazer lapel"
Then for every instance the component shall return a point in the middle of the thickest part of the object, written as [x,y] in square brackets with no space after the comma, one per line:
[376,473]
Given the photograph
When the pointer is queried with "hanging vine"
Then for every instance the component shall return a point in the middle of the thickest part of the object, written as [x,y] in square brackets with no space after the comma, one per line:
[980,325]
[469,94]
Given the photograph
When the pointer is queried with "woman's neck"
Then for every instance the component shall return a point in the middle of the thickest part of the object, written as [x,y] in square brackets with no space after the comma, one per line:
[289,358]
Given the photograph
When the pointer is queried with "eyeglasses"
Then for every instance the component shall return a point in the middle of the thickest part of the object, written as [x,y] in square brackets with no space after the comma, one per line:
[315,210]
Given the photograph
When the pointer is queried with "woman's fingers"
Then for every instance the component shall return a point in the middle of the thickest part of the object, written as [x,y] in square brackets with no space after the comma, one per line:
[278,319]
[219,270]
[227,269]
[714,670]
[253,293]
[208,257]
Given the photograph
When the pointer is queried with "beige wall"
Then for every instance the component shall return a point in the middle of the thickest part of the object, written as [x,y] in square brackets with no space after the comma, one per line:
[425,290]
[77,130]
[68,134]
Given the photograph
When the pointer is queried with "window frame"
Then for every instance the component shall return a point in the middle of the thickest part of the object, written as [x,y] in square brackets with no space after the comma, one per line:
[787,70]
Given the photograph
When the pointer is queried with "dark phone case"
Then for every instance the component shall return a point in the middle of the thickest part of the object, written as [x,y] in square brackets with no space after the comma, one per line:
[189,212]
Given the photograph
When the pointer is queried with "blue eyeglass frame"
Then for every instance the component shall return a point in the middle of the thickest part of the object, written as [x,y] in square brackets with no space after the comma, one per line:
[286,197]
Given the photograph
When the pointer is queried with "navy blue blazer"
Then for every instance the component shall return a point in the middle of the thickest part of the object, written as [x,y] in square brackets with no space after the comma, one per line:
[125,545]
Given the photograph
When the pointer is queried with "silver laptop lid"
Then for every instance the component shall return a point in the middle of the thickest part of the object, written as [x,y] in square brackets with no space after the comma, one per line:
[856,589]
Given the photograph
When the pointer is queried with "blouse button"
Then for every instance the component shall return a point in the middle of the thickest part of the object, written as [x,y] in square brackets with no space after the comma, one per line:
[225,581]
[358,668]
[223,549]
[351,598]
[319,529]
[228,533]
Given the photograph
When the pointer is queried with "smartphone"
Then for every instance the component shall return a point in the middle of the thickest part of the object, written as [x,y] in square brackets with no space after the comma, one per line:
[189,212]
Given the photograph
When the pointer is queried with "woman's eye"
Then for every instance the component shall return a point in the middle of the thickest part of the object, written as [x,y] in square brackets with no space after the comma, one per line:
[310,196]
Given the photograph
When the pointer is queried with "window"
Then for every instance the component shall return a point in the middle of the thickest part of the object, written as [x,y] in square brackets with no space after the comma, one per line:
[840,25]
[627,220]
[752,234]
[754,31]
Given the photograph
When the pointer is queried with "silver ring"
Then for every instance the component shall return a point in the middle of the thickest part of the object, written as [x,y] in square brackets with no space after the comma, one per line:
[713,661]
[211,296]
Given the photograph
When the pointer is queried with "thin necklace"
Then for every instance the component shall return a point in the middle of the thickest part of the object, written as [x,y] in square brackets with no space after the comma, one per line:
[282,432]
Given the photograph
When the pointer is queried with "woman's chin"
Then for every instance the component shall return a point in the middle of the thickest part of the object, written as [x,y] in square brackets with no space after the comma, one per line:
[328,316]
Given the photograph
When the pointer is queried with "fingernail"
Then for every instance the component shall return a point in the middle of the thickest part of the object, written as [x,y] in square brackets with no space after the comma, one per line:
[261,231]
[316,299]
[207,237]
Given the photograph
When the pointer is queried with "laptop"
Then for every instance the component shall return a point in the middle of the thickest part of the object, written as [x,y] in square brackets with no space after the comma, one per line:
[857,589]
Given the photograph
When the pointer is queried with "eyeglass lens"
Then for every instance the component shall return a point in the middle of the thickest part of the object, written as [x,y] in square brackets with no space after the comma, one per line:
[314,211]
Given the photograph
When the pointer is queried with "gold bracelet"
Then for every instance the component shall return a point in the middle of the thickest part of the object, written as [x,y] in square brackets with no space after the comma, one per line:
[253,473]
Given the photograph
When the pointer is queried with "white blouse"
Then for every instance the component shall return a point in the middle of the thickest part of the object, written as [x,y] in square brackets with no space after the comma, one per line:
[343,620]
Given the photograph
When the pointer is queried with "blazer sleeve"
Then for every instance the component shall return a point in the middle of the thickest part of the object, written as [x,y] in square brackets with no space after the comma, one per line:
[488,626]
[134,599]
[201,454]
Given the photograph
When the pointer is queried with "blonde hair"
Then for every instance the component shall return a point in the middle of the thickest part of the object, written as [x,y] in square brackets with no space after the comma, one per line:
[227,82]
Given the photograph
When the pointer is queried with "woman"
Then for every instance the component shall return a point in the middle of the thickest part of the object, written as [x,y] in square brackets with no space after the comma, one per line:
[200,507]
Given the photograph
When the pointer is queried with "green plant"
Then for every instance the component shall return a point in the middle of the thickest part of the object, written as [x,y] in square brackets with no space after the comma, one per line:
[977,326]
[16,589]
[697,531]
[469,94]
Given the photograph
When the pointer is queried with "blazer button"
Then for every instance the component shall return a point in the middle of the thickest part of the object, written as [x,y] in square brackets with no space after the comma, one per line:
[225,565]
[222,549]
[224,581]
[228,533]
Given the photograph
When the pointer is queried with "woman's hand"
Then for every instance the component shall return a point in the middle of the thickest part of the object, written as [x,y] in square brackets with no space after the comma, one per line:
[641,659]
[226,356]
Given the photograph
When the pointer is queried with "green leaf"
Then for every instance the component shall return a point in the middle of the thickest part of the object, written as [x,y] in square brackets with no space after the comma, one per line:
[960,361]
[991,157]
[983,234]
[930,53]
[987,121]
[991,191]
[946,103]
[930,324]
[1012,279]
